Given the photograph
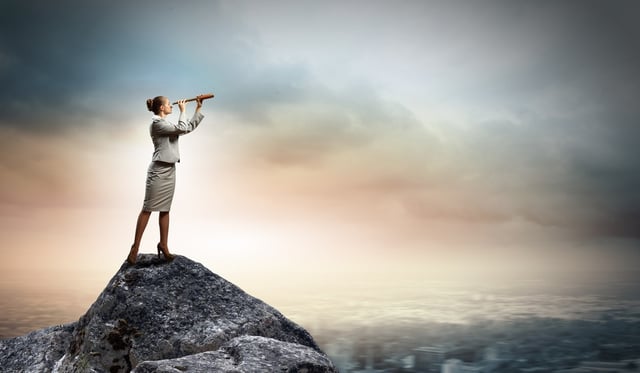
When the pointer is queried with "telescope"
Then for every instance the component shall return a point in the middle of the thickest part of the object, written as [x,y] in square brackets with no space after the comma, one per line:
[200,97]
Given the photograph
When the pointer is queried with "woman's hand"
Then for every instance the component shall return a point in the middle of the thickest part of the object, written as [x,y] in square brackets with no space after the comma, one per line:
[199,102]
[181,105]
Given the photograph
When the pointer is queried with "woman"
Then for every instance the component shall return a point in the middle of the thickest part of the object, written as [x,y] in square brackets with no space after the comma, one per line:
[161,175]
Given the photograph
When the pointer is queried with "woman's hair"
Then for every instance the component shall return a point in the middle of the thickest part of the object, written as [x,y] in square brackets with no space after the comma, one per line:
[153,104]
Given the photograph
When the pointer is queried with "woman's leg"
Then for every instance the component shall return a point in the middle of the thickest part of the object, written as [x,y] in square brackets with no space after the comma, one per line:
[163,220]
[141,224]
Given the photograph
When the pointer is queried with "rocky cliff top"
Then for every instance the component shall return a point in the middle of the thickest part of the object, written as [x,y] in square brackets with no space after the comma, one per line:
[169,317]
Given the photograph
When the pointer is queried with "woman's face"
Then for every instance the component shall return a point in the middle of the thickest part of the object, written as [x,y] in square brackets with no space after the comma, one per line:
[166,108]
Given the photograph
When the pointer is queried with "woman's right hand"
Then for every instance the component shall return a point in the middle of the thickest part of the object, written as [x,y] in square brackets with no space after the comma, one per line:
[181,105]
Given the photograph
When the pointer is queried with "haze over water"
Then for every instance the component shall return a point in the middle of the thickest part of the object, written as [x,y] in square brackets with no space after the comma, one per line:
[28,306]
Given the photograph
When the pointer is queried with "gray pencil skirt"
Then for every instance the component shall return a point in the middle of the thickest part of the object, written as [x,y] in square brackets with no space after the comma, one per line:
[161,183]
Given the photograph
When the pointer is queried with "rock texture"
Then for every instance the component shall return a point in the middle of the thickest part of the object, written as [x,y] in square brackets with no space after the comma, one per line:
[169,317]
[245,354]
[37,351]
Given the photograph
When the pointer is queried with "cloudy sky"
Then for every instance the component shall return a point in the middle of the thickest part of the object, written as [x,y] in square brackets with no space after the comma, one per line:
[392,139]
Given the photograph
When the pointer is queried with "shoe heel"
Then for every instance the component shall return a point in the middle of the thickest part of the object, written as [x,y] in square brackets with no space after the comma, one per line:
[168,257]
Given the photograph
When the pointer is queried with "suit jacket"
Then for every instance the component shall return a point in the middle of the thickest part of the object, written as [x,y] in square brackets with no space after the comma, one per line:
[164,135]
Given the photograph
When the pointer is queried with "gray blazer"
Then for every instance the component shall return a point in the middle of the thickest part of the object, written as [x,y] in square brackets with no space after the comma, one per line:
[165,136]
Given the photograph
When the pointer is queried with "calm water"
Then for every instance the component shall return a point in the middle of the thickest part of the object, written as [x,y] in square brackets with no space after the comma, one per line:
[24,309]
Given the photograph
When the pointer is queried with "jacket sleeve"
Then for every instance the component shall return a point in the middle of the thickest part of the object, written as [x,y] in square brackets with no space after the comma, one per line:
[165,128]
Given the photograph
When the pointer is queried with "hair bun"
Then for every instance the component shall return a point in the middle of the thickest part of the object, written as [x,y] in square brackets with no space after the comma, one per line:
[150,104]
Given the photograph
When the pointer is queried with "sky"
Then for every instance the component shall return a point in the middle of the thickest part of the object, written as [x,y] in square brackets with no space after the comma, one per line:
[382,140]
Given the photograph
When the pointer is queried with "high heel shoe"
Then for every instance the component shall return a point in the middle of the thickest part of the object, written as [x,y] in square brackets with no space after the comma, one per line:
[129,260]
[168,256]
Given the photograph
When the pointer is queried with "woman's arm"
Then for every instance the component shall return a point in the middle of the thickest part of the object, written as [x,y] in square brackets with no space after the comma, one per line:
[165,128]
[162,127]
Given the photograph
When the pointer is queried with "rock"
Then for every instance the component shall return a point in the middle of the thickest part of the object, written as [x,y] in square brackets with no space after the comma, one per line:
[246,354]
[37,351]
[159,313]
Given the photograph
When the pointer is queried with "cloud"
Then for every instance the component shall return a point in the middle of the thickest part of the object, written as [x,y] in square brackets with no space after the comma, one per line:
[326,122]
[34,170]
[99,59]
[55,56]
[440,110]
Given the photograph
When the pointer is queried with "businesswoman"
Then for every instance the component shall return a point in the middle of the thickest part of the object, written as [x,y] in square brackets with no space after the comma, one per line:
[161,174]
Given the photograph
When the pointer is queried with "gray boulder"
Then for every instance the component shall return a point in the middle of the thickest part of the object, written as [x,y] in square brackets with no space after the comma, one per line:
[37,351]
[245,354]
[161,313]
